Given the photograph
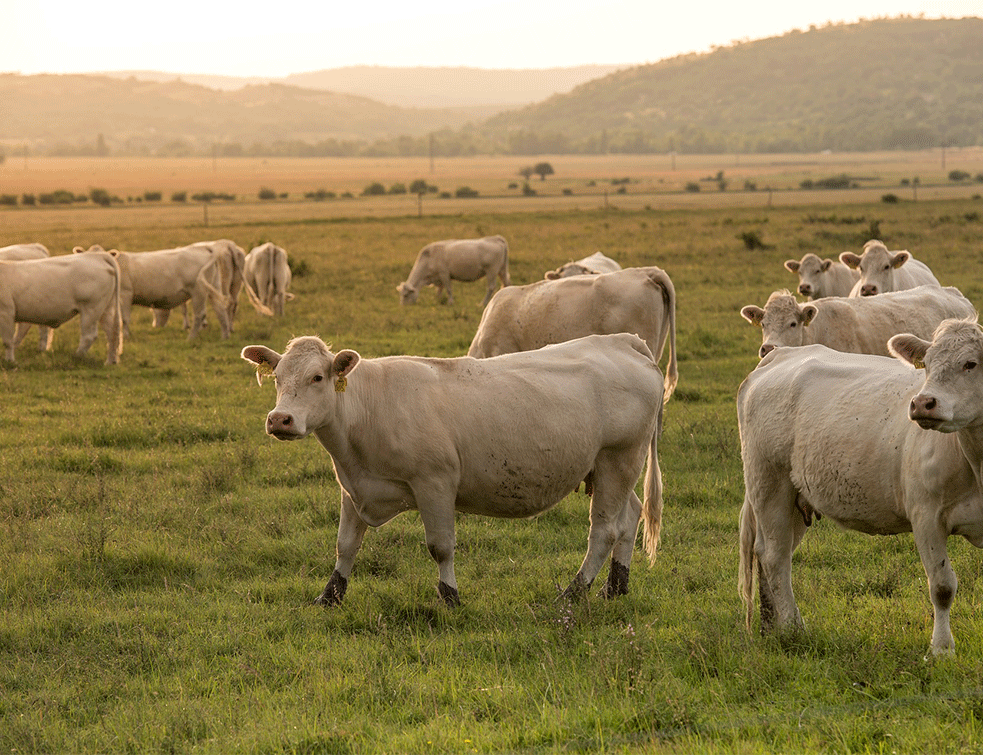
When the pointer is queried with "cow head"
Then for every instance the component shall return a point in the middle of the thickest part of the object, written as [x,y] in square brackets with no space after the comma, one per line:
[308,378]
[782,321]
[951,397]
[407,293]
[810,270]
[876,265]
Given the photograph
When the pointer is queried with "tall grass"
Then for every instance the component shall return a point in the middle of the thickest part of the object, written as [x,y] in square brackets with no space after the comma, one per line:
[159,553]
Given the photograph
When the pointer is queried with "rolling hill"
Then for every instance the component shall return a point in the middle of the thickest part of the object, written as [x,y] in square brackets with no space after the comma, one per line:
[903,83]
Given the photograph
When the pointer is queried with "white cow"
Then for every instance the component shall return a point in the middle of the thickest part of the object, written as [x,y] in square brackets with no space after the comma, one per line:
[50,291]
[832,434]
[882,271]
[503,437]
[859,325]
[165,279]
[640,300]
[592,265]
[32,251]
[820,278]
[467,260]
[267,272]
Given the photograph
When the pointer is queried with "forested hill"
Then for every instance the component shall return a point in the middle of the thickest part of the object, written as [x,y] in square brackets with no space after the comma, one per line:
[902,83]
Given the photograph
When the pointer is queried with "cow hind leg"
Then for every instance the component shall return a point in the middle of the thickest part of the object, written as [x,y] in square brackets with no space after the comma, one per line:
[624,548]
[88,332]
[438,524]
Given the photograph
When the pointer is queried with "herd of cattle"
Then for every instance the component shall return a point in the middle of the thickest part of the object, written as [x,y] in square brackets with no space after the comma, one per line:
[561,385]
[101,288]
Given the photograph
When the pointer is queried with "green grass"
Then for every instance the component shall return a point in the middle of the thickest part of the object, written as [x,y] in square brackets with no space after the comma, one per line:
[158,552]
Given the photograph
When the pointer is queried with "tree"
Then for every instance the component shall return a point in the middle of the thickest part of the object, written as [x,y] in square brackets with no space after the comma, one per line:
[526,172]
[542,170]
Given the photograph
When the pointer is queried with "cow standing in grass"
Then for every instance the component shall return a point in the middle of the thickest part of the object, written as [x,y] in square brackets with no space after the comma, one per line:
[882,271]
[507,437]
[30,251]
[820,278]
[467,260]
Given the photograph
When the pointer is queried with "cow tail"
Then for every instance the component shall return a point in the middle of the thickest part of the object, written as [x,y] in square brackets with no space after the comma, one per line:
[662,280]
[218,299]
[506,278]
[745,576]
[652,505]
[117,309]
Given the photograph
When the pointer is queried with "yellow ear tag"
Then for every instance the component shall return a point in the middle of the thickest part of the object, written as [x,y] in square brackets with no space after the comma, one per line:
[340,384]
[263,369]
[918,364]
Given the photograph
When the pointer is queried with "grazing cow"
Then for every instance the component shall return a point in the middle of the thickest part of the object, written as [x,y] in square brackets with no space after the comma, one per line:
[640,300]
[267,272]
[503,437]
[595,264]
[467,260]
[52,290]
[882,271]
[858,325]
[165,279]
[821,278]
[33,251]
[881,446]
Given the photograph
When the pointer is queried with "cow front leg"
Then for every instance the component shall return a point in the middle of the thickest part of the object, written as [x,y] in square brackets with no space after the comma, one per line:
[930,540]
[351,530]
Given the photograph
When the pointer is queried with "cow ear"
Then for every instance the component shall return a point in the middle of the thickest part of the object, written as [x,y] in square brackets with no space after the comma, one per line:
[78,250]
[899,259]
[264,358]
[825,265]
[792,266]
[753,314]
[809,312]
[552,275]
[909,349]
[344,362]
[850,260]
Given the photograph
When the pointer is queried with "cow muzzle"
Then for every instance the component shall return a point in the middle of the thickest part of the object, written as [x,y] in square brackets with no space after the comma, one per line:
[924,410]
[805,289]
[765,350]
[868,290]
[281,425]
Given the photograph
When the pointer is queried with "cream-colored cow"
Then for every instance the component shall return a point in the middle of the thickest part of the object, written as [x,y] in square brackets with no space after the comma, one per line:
[594,264]
[882,271]
[467,260]
[31,251]
[820,278]
[268,273]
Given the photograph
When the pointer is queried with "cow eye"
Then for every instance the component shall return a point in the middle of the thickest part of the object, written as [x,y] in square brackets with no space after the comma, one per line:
[970,365]
[793,324]
[318,378]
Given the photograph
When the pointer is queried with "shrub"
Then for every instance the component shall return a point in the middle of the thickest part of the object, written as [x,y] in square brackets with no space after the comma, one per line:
[692,186]
[397,188]
[8,199]
[152,196]
[179,196]
[890,198]
[752,240]
[28,200]
[374,190]
[466,191]
[567,192]
[61,196]
[266,194]
[320,195]
[958,175]
[527,190]
[100,197]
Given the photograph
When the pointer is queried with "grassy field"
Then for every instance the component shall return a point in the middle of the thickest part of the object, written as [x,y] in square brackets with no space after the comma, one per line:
[159,552]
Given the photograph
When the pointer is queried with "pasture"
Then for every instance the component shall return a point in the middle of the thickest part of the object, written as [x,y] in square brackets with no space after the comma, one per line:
[160,553]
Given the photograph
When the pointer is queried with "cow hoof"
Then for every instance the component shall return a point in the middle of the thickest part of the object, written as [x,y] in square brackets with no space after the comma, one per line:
[449,595]
[617,583]
[576,590]
[333,592]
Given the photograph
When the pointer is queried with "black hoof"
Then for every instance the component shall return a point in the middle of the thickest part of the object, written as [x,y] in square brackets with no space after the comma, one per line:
[449,595]
[617,583]
[576,590]
[334,591]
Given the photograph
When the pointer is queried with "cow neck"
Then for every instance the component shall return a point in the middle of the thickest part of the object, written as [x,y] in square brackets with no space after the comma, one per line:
[970,441]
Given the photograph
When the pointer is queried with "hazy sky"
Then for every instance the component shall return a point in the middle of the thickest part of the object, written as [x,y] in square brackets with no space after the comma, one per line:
[247,38]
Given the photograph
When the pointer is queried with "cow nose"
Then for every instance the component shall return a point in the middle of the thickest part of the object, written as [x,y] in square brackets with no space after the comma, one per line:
[278,421]
[868,290]
[922,406]
[765,350]
[805,289]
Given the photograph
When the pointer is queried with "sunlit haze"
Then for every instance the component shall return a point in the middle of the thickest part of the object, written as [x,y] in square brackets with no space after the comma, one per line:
[277,39]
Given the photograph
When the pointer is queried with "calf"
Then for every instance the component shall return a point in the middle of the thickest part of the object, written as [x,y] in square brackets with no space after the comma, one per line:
[858,325]
[503,437]
[878,445]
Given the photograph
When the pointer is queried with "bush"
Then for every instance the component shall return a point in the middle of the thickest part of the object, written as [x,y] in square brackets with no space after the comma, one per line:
[466,191]
[527,190]
[752,240]
[8,199]
[692,186]
[266,194]
[958,175]
[374,190]
[28,200]
[320,195]
[61,196]
[890,198]
[397,188]
[100,197]
[179,196]
[152,196]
